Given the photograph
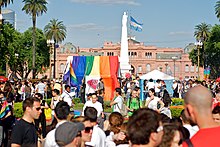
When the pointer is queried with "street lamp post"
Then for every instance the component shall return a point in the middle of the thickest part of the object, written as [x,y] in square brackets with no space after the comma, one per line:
[198,46]
[166,64]
[174,65]
[50,43]
[1,21]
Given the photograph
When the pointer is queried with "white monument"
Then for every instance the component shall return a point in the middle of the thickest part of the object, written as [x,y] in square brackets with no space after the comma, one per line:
[124,59]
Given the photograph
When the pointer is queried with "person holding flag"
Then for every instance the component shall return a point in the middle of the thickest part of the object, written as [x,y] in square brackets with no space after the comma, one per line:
[6,119]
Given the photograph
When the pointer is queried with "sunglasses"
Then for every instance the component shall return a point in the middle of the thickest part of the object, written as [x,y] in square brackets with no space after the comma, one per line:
[38,108]
[88,129]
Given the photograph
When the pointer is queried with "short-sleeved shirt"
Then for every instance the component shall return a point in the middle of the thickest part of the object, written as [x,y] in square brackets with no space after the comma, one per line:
[133,103]
[97,105]
[41,87]
[207,137]
[118,105]
[24,134]
[67,98]
[153,103]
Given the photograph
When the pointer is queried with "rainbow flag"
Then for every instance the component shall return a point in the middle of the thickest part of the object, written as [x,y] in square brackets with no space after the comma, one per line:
[105,67]
[4,110]
[73,80]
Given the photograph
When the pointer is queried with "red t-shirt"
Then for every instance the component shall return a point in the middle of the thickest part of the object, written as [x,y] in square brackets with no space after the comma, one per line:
[206,138]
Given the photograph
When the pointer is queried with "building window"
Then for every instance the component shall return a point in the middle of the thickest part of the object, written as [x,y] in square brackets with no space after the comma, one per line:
[62,67]
[187,68]
[192,68]
[148,55]
[139,69]
[135,53]
[148,68]
[176,68]
[129,53]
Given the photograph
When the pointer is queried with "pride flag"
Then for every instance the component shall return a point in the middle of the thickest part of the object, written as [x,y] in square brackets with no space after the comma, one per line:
[4,110]
[105,67]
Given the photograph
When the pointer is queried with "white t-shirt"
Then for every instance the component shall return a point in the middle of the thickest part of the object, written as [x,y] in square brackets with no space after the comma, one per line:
[192,129]
[41,87]
[150,85]
[67,98]
[153,103]
[118,105]
[156,87]
[97,105]
[98,137]
[50,138]
[166,111]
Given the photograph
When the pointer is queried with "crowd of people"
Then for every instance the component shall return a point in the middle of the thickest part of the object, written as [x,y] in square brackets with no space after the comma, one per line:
[133,122]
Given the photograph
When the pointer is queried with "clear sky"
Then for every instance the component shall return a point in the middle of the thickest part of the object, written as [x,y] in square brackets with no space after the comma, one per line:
[167,23]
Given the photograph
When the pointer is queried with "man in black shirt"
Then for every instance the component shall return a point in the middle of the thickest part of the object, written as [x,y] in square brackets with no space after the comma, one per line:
[24,132]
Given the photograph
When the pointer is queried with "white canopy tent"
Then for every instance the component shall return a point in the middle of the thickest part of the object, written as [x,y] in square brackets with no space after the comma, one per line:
[156,74]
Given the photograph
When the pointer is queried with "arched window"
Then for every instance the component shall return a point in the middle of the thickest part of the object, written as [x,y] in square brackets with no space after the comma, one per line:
[148,67]
[132,53]
[187,68]
[192,68]
[139,69]
[150,55]
[62,67]
[135,53]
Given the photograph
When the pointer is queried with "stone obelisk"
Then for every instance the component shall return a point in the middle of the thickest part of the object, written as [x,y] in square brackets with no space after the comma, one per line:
[124,59]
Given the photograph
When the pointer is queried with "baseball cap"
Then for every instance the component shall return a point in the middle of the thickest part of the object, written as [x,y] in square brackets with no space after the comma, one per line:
[66,132]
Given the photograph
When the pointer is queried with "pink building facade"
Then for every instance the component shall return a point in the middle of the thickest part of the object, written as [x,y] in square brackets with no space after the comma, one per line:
[142,58]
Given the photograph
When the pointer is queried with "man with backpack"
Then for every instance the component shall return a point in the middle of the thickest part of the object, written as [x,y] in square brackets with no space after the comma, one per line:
[117,101]
[134,102]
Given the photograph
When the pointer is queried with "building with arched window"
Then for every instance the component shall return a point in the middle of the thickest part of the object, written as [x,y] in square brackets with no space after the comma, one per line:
[142,58]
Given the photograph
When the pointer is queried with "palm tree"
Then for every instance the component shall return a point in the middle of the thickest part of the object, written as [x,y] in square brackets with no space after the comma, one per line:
[55,30]
[34,8]
[202,31]
[217,9]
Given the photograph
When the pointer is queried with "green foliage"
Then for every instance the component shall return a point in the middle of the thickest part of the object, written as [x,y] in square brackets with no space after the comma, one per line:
[177,101]
[48,101]
[212,51]
[175,112]
[18,112]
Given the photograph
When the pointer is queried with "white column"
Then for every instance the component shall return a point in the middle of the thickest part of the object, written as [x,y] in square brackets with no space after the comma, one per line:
[124,59]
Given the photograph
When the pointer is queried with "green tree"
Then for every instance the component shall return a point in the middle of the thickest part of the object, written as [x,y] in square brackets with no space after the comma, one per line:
[202,31]
[7,36]
[25,53]
[217,9]
[34,8]
[55,30]
[212,50]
